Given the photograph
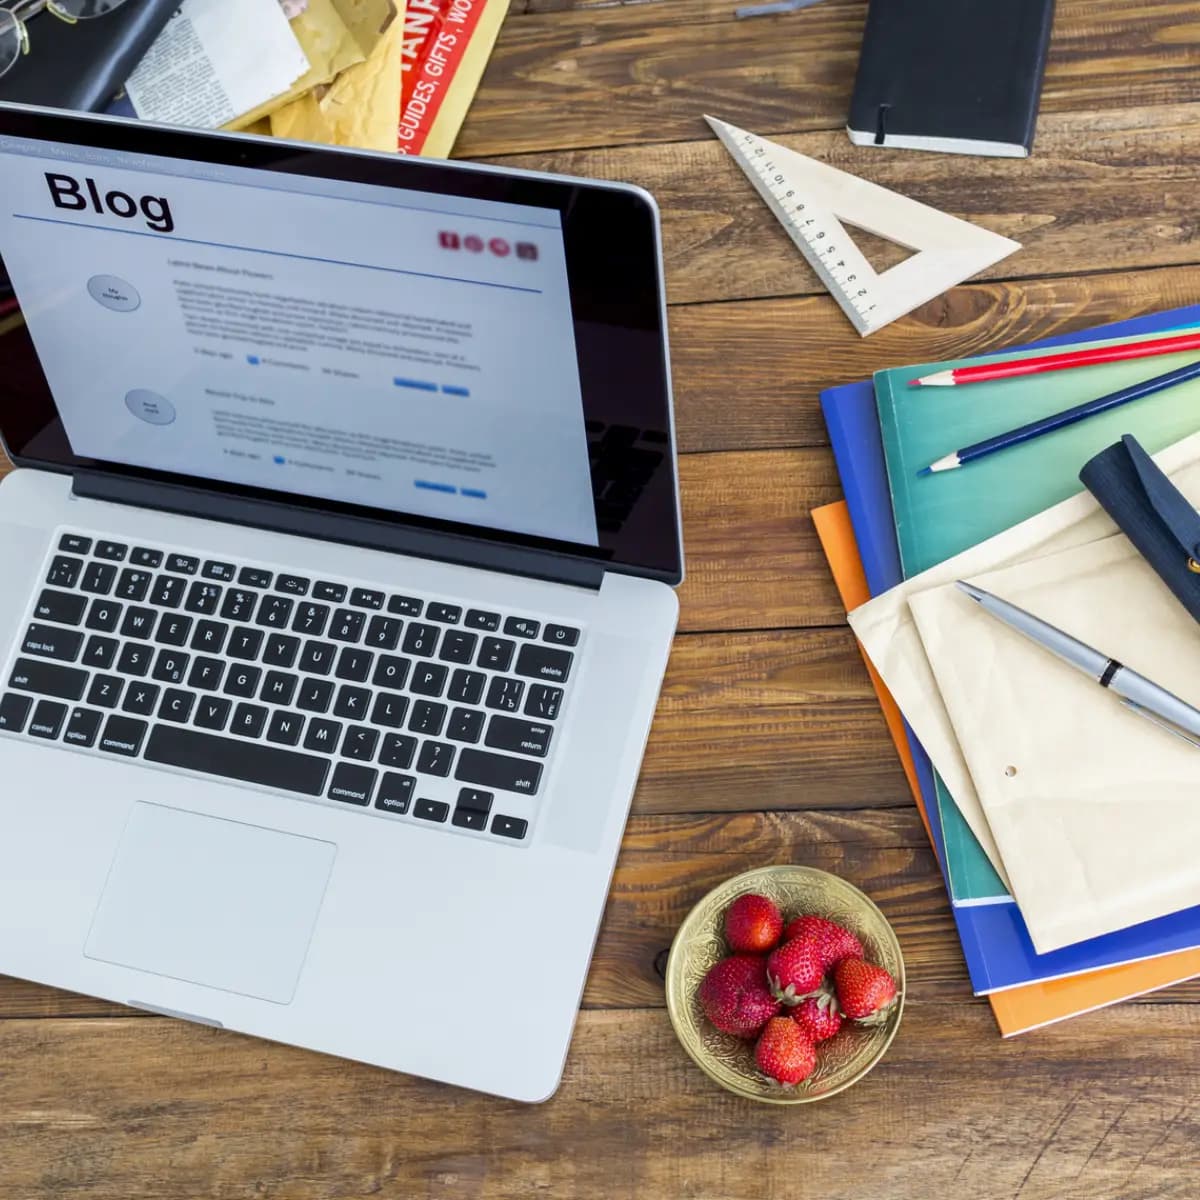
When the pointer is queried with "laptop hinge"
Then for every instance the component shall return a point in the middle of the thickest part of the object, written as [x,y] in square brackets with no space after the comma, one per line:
[335,527]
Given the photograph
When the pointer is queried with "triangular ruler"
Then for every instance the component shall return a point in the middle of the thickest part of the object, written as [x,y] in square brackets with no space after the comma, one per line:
[808,197]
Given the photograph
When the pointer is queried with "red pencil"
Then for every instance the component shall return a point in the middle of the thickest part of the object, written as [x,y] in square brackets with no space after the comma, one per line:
[1058,362]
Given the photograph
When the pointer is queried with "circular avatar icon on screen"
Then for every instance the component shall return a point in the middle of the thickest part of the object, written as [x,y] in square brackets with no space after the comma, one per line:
[114,292]
[150,407]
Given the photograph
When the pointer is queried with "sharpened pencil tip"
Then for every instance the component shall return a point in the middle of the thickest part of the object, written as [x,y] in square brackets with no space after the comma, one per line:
[914,383]
[925,471]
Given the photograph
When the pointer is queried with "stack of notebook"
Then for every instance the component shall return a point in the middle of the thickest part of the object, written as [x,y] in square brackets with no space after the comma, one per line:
[893,526]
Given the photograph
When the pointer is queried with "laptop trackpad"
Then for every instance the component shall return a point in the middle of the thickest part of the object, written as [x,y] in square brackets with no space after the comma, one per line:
[210,901]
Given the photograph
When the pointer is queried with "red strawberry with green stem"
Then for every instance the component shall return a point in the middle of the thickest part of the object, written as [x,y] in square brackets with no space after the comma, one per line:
[865,992]
[752,924]
[817,1017]
[795,970]
[836,942]
[784,1053]
[735,996]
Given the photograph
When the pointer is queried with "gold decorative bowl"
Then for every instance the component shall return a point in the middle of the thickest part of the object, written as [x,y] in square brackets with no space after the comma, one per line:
[700,943]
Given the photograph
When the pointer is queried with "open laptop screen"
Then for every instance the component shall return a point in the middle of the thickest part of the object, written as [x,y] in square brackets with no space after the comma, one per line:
[442,344]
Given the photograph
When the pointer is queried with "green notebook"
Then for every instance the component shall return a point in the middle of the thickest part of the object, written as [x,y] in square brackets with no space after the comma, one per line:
[938,516]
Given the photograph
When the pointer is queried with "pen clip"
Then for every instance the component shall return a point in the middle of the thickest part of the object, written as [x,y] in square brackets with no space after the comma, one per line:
[1161,722]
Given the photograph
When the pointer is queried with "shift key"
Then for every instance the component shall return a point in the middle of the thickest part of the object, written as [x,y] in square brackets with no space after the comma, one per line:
[48,679]
[498,771]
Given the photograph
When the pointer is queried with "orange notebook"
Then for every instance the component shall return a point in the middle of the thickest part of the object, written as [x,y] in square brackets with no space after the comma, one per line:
[1019,1009]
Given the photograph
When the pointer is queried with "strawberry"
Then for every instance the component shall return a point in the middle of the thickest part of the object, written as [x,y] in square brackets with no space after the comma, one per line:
[865,992]
[795,970]
[735,997]
[817,1017]
[752,924]
[784,1053]
[835,941]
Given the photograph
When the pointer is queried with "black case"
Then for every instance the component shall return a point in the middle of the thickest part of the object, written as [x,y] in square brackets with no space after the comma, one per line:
[968,70]
[83,66]
[1155,516]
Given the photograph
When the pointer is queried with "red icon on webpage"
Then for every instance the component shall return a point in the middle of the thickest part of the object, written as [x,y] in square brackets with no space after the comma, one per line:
[527,250]
[473,243]
[499,247]
[448,241]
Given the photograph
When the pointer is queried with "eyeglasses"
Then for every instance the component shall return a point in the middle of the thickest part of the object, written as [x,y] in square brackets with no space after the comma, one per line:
[14,36]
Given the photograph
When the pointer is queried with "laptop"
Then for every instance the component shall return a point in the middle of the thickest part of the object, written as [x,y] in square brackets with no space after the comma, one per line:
[339,569]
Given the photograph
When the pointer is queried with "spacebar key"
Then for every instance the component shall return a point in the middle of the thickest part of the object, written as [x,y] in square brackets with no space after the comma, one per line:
[251,763]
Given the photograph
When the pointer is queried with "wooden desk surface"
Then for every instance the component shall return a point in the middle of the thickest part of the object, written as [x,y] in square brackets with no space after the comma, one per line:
[768,746]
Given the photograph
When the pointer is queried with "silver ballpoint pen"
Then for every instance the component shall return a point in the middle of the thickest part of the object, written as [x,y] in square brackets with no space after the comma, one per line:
[1139,694]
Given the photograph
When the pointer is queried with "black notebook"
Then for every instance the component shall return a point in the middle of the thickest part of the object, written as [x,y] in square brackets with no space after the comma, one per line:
[83,66]
[961,76]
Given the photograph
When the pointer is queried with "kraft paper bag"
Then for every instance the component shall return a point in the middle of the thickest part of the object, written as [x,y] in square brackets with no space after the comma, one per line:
[887,631]
[1094,810]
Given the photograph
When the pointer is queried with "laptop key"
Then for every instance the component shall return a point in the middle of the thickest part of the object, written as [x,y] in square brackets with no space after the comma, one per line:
[168,591]
[322,734]
[281,650]
[144,557]
[505,694]
[496,654]
[466,725]
[267,766]
[170,666]
[314,695]
[245,643]
[105,691]
[176,705]
[113,550]
[427,717]
[173,629]
[242,681]
[471,811]
[222,571]
[477,618]
[544,662]
[521,737]
[458,646]
[285,727]
[398,750]
[543,701]
[395,792]
[210,636]
[448,614]
[64,571]
[14,712]
[275,611]
[48,679]
[134,659]
[278,687]
[366,598]
[429,679]
[103,615]
[311,618]
[354,664]
[238,604]
[124,735]
[347,625]
[405,606]
[498,771]
[74,543]
[324,590]
[352,784]
[317,657]
[294,585]
[133,584]
[389,709]
[509,827]
[48,719]
[390,671]
[560,635]
[421,639]
[140,698]
[138,622]
[521,627]
[431,810]
[435,758]
[466,818]
[98,578]
[352,702]
[383,633]
[254,577]
[466,687]
[248,720]
[62,607]
[83,727]
[48,642]
[203,597]
[182,564]
[360,742]
[212,712]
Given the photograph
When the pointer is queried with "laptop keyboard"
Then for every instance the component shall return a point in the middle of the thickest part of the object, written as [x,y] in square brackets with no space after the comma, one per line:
[405,706]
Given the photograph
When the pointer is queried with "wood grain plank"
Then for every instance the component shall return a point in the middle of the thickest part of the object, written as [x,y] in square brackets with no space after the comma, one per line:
[787,351]
[1110,189]
[569,74]
[1094,1108]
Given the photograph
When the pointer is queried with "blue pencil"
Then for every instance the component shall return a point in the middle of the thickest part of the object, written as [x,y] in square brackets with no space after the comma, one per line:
[1081,412]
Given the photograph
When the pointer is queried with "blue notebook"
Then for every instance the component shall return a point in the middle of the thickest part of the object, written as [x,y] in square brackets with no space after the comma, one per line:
[996,944]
